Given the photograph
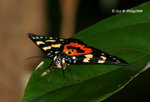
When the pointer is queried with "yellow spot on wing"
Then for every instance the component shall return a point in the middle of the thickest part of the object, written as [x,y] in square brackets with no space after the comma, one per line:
[46,48]
[50,40]
[101,61]
[40,42]
[103,57]
[69,52]
[89,56]
[87,59]
[56,45]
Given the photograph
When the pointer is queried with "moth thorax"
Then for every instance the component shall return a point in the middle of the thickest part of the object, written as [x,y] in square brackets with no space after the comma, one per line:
[59,61]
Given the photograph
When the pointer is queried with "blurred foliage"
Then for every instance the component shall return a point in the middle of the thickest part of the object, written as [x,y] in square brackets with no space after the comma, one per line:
[53,17]
[125,35]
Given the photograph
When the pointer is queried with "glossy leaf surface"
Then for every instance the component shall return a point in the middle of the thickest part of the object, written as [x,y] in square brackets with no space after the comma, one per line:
[124,35]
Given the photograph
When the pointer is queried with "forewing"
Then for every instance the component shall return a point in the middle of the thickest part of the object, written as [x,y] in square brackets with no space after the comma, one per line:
[49,45]
[96,57]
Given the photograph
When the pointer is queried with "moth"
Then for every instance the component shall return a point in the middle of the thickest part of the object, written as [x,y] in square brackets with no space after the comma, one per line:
[65,52]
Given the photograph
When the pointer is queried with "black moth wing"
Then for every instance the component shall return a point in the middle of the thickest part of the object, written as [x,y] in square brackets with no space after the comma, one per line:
[49,45]
[96,57]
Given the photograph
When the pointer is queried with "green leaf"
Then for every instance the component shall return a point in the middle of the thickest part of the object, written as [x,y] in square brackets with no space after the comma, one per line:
[124,35]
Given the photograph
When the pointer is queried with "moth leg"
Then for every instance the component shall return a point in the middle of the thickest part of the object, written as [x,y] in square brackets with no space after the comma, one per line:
[73,74]
[50,73]
[63,70]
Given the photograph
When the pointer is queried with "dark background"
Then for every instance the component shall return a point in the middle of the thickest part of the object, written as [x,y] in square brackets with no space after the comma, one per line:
[47,17]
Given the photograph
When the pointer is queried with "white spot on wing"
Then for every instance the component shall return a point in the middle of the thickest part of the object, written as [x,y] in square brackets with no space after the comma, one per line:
[61,39]
[50,37]
[114,58]
[33,37]
[73,57]
[56,52]
[74,61]
[48,54]
[102,53]
[69,61]
[51,56]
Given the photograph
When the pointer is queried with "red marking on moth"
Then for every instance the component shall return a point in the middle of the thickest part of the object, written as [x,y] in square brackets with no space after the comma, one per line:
[74,52]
